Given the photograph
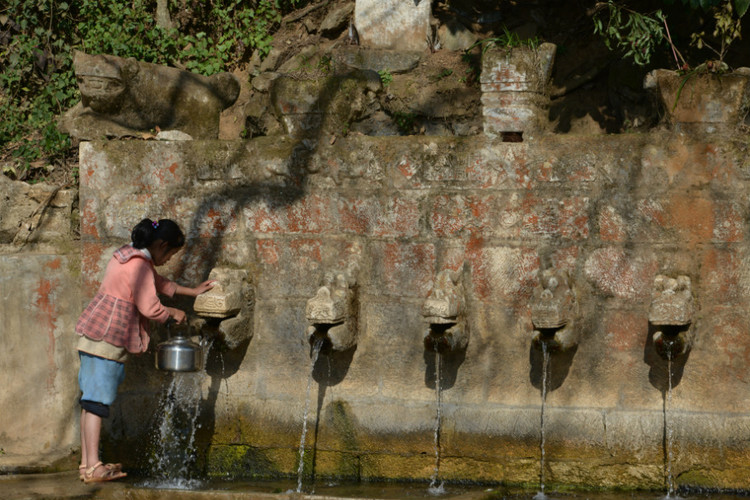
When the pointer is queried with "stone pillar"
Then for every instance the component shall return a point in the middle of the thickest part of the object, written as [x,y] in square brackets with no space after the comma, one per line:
[393,24]
[515,95]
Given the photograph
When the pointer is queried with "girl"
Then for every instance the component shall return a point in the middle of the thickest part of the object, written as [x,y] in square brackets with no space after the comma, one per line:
[116,323]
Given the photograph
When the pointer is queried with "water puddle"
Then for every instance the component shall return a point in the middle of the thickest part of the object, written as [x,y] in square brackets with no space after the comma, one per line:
[66,486]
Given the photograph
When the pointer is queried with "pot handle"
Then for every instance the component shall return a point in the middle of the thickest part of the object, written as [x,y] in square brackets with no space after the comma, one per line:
[169,324]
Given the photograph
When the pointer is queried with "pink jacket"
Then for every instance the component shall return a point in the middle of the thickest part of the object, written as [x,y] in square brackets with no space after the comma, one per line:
[127,299]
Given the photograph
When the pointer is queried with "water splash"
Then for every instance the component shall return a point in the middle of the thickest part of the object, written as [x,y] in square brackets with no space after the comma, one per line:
[317,345]
[545,373]
[436,491]
[435,488]
[173,442]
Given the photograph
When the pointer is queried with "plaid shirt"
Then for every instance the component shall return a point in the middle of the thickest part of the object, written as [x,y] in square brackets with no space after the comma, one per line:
[127,299]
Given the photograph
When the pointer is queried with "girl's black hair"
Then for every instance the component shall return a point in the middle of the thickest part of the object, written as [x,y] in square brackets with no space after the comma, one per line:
[148,231]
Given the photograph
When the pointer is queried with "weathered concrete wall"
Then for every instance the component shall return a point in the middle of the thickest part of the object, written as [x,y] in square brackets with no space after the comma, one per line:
[40,301]
[613,211]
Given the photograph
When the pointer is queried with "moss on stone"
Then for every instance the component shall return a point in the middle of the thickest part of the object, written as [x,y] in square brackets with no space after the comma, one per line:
[240,461]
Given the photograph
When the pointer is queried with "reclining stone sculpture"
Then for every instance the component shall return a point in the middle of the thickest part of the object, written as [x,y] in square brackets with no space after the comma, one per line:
[122,97]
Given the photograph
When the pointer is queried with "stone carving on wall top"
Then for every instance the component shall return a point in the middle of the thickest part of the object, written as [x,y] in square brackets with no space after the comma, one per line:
[124,97]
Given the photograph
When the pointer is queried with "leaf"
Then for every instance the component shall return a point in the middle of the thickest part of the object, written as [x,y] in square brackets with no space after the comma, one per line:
[741,7]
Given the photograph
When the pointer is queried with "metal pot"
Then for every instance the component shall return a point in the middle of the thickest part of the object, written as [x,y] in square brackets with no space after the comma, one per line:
[179,354]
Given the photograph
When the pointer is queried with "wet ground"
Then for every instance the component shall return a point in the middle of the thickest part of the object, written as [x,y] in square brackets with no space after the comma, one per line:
[66,486]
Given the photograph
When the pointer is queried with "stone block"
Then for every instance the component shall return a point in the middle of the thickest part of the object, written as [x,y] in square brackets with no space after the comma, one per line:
[393,24]
[502,273]
[403,268]
[615,272]
[38,358]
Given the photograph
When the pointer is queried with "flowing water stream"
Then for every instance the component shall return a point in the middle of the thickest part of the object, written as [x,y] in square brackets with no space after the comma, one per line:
[173,443]
[435,488]
[545,375]
[668,430]
[300,468]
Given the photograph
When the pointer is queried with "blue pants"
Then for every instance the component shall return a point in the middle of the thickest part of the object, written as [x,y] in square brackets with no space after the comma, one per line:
[99,379]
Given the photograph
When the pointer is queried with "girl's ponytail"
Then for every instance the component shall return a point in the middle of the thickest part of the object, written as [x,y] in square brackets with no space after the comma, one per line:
[148,231]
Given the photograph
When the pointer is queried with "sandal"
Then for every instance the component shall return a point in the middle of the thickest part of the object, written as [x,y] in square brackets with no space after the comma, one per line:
[110,473]
[82,469]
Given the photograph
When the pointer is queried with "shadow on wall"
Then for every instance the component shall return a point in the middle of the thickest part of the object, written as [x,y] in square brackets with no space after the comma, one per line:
[559,367]
[330,369]
[234,198]
[449,364]
[220,365]
[658,374]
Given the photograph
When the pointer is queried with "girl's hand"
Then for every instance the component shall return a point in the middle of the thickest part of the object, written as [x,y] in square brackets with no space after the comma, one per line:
[203,287]
[178,315]
[194,292]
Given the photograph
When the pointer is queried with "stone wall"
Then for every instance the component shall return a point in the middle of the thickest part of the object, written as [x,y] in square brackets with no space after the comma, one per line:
[612,211]
[39,304]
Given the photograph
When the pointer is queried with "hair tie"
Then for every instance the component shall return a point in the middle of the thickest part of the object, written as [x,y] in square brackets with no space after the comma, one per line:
[155,225]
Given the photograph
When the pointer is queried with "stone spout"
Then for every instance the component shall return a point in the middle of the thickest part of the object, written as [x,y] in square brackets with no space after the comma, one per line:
[554,310]
[443,311]
[671,315]
[332,313]
[228,306]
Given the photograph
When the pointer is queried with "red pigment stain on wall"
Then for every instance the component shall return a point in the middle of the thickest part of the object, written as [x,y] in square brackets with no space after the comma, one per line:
[88,220]
[265,220]
[611,225]
[310,215]
[268,251]
[306,253]
[357,215]
[90,256]
[625,330]
[693,216]
[47,320]
[479,275]
[446,216]
[213,223]
[401,219]
[406,169]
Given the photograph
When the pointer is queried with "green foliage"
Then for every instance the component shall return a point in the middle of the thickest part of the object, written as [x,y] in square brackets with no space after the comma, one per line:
[38,37]
[740,6]
[325,64]
[404,122]
[385,77]
[636,35]
[727,28]
[446,72]
[508,39]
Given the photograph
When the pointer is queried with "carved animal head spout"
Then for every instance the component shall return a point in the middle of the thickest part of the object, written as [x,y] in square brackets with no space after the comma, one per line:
[444,312]
[228,306]
[554,310]
[671,314]
[332,312]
